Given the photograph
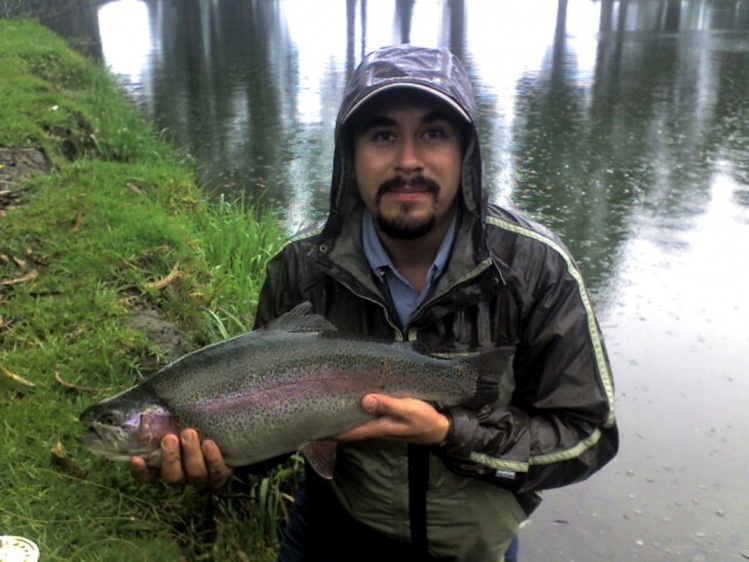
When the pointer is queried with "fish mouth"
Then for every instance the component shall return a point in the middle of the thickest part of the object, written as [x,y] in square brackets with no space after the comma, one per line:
[95,444]
[115,444]
[90,439]
[100,438]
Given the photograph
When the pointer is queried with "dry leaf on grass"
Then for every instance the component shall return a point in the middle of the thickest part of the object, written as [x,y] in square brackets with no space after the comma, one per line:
[164,282]
[134,188]
[21,263]
[78,221]
[65,463]
[72,386]
[30,276]
[18,378]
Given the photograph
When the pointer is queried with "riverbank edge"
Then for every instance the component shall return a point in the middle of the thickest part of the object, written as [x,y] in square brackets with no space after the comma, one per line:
[40,8]
[102,222]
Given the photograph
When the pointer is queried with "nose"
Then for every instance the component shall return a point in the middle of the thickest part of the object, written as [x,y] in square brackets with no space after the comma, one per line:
[409,158]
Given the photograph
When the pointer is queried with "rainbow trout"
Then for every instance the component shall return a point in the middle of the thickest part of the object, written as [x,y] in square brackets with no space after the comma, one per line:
[283,388]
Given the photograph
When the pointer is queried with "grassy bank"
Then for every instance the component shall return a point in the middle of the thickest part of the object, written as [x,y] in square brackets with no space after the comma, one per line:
[113,226]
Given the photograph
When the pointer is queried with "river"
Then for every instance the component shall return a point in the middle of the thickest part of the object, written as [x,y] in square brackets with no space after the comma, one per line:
[624,126]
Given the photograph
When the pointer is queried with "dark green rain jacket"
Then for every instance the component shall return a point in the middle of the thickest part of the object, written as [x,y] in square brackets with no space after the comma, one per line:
[509,282]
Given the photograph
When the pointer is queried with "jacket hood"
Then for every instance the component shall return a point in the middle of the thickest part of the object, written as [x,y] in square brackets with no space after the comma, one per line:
[434,71]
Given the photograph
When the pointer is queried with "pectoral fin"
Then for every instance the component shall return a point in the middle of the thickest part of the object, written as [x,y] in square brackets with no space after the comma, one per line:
[321,456]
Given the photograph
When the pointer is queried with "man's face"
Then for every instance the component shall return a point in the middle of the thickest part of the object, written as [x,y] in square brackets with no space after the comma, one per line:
[407,166]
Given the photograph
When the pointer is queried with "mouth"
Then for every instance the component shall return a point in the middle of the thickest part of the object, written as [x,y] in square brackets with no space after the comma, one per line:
[409,189]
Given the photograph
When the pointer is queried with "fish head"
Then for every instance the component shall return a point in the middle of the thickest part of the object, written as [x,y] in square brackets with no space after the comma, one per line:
[120,428]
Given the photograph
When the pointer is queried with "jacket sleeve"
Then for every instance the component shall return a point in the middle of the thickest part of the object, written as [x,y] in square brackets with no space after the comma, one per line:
[559,427]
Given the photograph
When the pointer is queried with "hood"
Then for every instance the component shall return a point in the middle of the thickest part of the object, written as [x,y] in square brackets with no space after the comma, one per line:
[436,71]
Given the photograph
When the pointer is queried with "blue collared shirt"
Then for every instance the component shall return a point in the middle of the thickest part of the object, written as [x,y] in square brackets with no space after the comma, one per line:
[405,298]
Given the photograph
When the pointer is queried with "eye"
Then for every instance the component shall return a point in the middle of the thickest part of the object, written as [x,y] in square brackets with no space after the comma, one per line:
[437,132]
[434,132]
[382,136]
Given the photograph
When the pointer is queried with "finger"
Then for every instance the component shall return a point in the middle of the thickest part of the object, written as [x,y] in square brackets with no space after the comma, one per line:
[381,404]
[171,461]
[141,472]
[218,470]
[192,459]
[403,409]
[372,429]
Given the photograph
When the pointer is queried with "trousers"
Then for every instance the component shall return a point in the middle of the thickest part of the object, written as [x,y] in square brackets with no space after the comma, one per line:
[320,530]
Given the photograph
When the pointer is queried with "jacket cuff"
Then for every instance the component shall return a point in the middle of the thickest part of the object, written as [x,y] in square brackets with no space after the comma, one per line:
[457,442]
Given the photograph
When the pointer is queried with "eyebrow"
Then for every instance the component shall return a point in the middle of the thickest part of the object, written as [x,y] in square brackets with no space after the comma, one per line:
[385,121]
[376,121]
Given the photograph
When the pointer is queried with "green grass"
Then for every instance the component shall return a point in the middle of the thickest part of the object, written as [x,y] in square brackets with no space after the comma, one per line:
[120,210]
[238,242]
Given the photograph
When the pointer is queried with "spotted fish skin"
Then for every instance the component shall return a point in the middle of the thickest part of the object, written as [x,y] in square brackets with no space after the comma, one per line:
[272,391]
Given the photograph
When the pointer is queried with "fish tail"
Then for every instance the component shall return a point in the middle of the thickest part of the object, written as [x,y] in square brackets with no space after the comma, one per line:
[491,367]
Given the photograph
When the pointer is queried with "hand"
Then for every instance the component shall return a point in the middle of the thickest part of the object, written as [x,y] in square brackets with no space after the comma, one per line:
[403,419]
[195,463]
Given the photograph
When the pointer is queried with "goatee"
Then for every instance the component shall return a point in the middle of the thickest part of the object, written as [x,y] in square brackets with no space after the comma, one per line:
[403,226]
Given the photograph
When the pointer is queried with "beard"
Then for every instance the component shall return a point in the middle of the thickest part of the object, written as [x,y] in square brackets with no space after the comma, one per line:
[403,226]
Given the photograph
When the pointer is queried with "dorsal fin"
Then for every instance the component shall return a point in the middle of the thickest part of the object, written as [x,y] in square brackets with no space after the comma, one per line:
[298,319]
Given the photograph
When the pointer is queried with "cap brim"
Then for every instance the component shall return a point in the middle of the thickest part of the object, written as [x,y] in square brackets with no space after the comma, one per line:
[407,86]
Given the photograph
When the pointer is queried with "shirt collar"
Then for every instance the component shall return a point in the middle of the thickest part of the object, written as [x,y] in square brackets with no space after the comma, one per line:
[380,261]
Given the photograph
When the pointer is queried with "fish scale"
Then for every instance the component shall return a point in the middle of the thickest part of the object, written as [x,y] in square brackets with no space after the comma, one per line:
[274,390]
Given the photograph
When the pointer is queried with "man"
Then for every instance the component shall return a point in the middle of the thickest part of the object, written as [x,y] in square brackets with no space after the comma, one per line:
[412,251]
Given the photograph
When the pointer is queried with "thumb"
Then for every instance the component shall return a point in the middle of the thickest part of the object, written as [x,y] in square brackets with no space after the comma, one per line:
[378,404]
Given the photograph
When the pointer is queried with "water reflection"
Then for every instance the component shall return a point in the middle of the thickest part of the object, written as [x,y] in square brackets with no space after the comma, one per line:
[126,40]
[251,88]
[623,125]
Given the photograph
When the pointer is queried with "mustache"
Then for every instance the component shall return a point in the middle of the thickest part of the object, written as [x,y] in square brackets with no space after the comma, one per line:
[399,182]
